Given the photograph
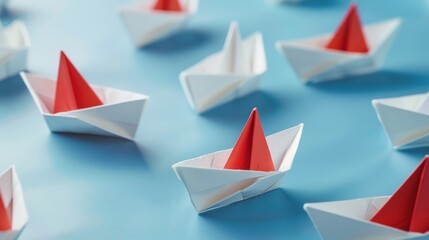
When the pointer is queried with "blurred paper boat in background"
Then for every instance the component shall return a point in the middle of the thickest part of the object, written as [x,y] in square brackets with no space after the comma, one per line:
[327,57]
[211,183]
[227,75]
[146,22]
[405,120]
[14,45]
[13,212]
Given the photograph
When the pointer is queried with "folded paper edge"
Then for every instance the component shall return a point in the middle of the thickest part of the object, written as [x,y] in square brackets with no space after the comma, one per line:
[141,97]
[296,140]
[404,145]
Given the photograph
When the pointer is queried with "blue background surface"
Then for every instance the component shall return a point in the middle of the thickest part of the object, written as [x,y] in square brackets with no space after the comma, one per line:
[80,187]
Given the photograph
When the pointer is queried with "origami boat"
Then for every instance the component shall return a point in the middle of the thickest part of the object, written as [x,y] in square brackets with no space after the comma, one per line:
[313,61]
[349,219]
[211,185]
[146,24]
[405,120]
[400,216]
[14,45]
[117,114]
[227,75]
[13,212]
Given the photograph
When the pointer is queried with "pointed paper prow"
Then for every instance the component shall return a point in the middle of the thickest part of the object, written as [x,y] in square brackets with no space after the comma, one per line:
[72,91]
[5,221]
[251,151]
[167,5]
[232,58]
[424,105]
[349,36]
[408,208]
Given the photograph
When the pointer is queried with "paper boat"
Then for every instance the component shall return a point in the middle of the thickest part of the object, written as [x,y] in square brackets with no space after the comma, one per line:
[405,124]
[312,62]
[118,116]
[146,25]
[210,186]
[350,220]
[14,45]
[403,215]
[13,200]
[227,75]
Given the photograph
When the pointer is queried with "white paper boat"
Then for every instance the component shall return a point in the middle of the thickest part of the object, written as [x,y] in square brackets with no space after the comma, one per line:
[312,62]
[13,198]
[146,26]
[349,220]
[404,123]
[14,45]
[210,186]
[118,116]
[227,75]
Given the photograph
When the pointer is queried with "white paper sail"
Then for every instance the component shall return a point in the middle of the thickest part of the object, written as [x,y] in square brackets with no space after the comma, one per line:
[350,220]
[312,62]
[211,186]
[118,116]
[13,198]
[404,120]
[146,25]
[227,75]
[14,45]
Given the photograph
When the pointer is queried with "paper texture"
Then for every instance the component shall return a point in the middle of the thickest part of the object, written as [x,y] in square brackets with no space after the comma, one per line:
[312,62]
[424,105]
[167,5]
[404,124]
[349,36]
[146,25]
[251,150]
[210,186]
[119,115]
[350,220]
[227,75]
[14,45]
[13,198]
[72,91]
[408,208]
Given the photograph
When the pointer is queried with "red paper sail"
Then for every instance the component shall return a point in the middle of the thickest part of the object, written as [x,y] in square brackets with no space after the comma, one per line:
[251,151]
[72,91]
[167,5]
[5,223]
[349,35]
[408,207]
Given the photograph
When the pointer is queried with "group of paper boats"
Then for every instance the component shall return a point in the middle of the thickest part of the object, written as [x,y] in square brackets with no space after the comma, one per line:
[237,69]
[72,105]
[256,164]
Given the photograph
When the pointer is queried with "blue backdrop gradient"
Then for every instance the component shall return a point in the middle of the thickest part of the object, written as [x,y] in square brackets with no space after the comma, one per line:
[81,187]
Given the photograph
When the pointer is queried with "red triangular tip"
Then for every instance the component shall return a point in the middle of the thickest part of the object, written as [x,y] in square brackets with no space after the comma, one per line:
[349,35]
[167,5]
[408,208]
[251,151]
[5,223]
[72,91]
